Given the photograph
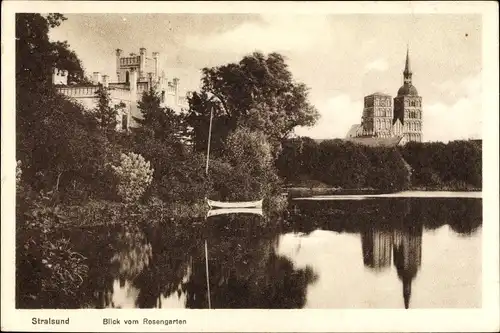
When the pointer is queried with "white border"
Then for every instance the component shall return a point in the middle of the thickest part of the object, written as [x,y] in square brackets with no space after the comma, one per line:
[485,319]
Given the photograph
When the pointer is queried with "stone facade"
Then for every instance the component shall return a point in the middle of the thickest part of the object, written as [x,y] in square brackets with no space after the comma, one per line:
[135,74]
[384,117]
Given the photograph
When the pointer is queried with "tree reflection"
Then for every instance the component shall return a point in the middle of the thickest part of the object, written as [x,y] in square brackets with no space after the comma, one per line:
[244,270]
[463,215]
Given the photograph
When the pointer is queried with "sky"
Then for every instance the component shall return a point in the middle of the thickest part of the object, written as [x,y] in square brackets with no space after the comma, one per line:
[340,57]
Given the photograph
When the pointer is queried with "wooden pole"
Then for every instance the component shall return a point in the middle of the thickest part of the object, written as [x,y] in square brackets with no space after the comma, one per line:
[208,280]
[209,138]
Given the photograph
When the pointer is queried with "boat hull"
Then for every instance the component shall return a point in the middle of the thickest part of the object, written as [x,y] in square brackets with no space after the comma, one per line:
[225,211]
[241,204]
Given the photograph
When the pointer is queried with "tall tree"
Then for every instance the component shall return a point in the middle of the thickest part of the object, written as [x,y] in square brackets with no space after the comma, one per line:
[161,122]
[59,143]
[105,113]
[37,56]
[258,93]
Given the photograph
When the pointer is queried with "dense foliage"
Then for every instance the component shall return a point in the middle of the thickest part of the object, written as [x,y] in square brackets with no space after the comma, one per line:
[457,164]
[246,172]
[343,164]
[258,93]
[158,121]
[338,163]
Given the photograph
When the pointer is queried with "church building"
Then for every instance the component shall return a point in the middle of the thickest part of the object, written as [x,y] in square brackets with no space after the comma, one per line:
[135,74]
[387,121]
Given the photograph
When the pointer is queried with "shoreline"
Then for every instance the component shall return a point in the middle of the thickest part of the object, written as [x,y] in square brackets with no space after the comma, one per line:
[294,192]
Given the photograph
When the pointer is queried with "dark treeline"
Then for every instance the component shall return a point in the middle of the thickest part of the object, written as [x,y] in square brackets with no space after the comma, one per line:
[339,163]
[343,164]
[457,164]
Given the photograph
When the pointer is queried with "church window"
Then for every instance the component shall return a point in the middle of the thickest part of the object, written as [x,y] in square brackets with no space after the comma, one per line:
[127,77]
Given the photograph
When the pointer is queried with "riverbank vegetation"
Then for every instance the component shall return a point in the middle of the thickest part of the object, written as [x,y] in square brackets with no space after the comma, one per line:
[336,165]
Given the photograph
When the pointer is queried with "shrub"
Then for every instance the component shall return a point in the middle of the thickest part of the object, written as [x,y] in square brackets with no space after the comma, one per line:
[134,176]
[246,170]
[184,179]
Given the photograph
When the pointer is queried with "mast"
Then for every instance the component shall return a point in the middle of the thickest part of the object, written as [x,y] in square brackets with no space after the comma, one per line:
[209,138]
[208,280]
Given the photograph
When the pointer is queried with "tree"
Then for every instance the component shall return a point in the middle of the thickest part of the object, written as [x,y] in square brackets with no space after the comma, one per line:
[245,171]
[37,56]
[106,114]
[58,142]
[160,122]
[258,93]
[63,147]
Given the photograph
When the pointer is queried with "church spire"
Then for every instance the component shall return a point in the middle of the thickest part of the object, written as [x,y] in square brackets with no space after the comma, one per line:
[407,73]
[406,291]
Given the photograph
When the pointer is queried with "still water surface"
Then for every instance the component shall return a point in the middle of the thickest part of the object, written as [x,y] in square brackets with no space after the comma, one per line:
[388,252]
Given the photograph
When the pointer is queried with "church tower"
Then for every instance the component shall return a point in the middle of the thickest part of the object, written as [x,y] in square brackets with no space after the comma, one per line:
[408,107]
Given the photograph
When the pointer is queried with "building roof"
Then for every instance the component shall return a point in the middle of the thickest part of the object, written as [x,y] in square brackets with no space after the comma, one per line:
[407,90]
[376,142]
[378,93]
[353,130]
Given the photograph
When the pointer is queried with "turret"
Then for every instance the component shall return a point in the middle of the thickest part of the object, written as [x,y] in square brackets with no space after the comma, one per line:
[118,55]
[156,57]
[105,81]
[96,78]
[176,87]
[142,63]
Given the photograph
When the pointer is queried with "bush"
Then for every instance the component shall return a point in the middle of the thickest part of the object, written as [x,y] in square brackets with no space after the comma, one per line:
[245,171]
[184,179]
[134,176]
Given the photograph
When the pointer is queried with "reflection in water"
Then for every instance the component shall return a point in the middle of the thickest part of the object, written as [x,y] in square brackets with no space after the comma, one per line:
[407,257]
[253,263]
[378,246]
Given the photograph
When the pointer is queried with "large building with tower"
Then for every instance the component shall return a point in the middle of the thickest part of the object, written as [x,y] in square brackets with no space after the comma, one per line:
[135,74]
[388,120]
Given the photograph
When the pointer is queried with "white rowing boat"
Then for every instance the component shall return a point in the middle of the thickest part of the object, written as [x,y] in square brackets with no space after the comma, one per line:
[236,204]
[224,211]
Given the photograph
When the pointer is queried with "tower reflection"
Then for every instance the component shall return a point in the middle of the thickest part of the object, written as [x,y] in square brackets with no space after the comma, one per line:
[377,248]
[407,257]
[403,244]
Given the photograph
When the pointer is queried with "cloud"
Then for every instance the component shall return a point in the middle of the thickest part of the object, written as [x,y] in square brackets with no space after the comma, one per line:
[379,65]
[460,119]
[273,34]
[337,115]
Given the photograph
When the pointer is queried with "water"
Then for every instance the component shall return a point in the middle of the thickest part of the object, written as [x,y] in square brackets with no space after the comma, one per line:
[386,252]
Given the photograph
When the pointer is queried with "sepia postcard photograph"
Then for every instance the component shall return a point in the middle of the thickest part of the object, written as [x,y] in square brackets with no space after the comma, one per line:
[253,166]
